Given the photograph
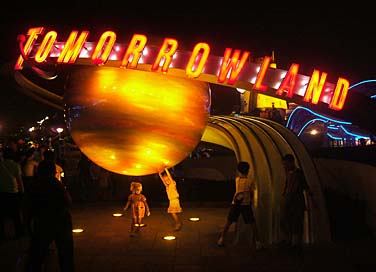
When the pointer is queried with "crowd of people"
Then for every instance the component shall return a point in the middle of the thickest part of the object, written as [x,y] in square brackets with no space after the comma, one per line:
[37,202]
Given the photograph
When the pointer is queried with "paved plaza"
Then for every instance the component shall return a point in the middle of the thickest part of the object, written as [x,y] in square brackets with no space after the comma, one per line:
[106,245]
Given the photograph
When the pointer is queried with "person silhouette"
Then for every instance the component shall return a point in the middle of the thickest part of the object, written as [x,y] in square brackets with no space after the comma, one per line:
[241,204]
[52,220]
[11,192]
[294,202]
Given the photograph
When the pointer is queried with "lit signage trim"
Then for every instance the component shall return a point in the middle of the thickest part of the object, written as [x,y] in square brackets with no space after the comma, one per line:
[233,69]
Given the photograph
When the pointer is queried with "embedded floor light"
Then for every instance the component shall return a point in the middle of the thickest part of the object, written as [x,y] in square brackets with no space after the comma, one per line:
[169,237]
[194,219]
[117,214]
[77,230]
[139,225]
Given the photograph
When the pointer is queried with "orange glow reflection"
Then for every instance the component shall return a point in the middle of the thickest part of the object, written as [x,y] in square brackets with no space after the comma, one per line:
[135,123]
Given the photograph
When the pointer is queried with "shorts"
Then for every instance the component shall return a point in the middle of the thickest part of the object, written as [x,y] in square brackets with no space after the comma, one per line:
[246,212]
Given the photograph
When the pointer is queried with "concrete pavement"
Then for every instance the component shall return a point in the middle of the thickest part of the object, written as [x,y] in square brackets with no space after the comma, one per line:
[105,245]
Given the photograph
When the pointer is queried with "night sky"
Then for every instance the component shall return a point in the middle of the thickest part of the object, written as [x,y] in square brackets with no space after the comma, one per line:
[337,41]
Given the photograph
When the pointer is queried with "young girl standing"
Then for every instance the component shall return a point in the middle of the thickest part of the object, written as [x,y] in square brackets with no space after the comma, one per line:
[139,207]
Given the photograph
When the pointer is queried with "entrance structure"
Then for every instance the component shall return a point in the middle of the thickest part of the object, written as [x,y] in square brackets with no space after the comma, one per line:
[262,143]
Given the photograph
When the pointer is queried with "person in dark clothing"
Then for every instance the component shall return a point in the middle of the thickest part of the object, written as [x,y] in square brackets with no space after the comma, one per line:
[294,202]
[52,221]
[11,191]
[84,178]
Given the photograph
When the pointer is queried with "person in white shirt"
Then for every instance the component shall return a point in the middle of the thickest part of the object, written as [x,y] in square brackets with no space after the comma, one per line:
[241,204]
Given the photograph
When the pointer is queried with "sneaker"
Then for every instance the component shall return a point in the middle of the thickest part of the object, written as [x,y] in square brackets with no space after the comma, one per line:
[220,242]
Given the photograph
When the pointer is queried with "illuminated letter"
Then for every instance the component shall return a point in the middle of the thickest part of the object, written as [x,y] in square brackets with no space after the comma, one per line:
[100,55]
[288,83]
[340,94]
[45,47]
[232,66]
[205,49]
[135,48]
[26,49]
[97,57]
[261,74]
[72,47]
[167,50]
[314,89]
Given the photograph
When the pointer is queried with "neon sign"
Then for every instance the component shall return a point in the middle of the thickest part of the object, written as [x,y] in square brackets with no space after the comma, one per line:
[233,69]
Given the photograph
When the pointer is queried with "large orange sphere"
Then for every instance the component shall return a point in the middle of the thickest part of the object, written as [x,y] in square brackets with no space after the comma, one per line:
[134,122]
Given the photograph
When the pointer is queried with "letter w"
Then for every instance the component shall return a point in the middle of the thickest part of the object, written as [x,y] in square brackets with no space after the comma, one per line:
[232,65]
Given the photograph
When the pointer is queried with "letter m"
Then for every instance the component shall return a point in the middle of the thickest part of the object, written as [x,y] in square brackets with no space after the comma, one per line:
[72,47]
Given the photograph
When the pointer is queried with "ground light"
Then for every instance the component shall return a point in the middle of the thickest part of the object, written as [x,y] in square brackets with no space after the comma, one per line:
[169,237]
[139,225]
[194,219]
[77,230]
[117,214]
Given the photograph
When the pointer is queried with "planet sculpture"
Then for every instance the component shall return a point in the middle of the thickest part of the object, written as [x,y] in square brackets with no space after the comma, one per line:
[133,122]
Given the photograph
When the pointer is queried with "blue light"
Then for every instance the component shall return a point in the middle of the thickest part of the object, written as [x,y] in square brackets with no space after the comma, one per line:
[309,122]
[357,136]
[362,82]
[333,137]
[325,119]
[316,114]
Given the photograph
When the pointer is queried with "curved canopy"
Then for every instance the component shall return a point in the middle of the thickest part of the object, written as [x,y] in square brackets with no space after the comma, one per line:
[262,143]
